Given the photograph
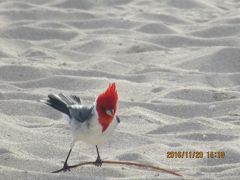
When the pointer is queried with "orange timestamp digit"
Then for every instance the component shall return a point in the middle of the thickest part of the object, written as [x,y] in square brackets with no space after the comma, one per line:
[185,154]
[195,154]
[219,155]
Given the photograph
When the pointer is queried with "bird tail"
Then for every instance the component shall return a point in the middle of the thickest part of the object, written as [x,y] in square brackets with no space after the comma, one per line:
[58,102]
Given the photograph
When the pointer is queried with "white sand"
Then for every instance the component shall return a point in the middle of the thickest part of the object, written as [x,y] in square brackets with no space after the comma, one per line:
[177,67]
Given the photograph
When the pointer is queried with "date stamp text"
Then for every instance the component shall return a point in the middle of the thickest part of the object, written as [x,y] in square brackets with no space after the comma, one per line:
[195,154]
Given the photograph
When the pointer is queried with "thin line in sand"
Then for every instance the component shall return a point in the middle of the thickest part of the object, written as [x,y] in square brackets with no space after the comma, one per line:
[146,167]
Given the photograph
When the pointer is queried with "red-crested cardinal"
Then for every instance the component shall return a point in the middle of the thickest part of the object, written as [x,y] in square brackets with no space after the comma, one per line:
[93,125]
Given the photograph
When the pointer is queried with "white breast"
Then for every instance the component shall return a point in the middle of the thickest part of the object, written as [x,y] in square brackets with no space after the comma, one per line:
[91,131]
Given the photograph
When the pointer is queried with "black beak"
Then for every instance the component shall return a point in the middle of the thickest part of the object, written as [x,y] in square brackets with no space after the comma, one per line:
[118,119]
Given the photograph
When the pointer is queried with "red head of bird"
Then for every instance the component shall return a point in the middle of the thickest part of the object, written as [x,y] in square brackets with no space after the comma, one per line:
[106,106]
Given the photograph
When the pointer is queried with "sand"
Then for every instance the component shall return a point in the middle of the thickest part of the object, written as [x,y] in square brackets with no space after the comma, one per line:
[176,64]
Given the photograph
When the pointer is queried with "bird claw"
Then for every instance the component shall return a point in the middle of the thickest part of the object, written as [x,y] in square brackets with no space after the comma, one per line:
[66,167]
[98,162]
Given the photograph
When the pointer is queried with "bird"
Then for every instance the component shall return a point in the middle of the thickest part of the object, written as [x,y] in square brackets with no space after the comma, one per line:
[93,124]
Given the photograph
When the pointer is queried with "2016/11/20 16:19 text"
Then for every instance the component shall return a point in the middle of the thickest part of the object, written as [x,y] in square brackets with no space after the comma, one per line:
[196,154]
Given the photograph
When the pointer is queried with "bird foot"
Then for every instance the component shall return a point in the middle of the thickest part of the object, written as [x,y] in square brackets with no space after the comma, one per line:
[98,162]
[66,167]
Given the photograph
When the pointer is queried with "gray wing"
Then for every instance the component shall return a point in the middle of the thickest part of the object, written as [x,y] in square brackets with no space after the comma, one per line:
[81,113]
[70,100]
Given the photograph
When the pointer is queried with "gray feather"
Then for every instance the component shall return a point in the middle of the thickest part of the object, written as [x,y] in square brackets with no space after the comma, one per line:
[76,99]
[70,100]
[81,113]
[57,103]
[70,105]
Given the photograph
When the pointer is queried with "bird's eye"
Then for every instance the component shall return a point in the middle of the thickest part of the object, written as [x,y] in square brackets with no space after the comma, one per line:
[110,112]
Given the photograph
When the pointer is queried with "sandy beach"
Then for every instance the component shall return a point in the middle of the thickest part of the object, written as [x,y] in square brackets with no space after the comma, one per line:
[176,64]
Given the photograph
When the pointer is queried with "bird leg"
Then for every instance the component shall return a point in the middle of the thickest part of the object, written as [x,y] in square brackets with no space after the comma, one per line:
[98,161]
[65,165]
